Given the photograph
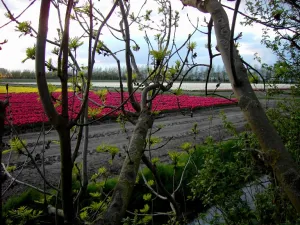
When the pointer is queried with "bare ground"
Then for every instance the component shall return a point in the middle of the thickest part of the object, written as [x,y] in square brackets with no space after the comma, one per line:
[176,130]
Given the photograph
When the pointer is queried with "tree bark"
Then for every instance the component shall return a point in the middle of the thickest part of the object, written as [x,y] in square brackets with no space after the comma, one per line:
[3,105]
[123,190]
[59,122]
[66,173]
[40,56]
[277,156]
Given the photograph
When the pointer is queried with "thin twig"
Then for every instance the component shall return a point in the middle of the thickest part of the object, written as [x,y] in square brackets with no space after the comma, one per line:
[21,182]
[232,55]
[10,14]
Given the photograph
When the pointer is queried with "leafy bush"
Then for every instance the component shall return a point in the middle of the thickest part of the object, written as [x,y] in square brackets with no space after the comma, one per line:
[18,209]
[273,207]
[22,199]
[286,119]
[23,216]
[220,178]
[225,169]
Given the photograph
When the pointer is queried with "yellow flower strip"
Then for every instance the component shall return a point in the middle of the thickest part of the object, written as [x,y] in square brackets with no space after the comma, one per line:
[12,89]
[19,89]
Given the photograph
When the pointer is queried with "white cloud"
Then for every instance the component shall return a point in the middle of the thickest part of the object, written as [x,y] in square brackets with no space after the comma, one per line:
[13,52]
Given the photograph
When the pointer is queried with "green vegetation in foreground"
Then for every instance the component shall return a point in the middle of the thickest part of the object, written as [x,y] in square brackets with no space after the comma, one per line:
[199,158]
[214,175]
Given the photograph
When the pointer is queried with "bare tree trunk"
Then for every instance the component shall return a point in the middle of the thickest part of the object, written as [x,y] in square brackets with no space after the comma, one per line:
[59,122]
[277,156]
[2,119]
[66,174]
[84,153]
[1,181]
[123,190]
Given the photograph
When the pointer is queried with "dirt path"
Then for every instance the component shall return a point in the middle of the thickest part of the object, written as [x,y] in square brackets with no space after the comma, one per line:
[176,130]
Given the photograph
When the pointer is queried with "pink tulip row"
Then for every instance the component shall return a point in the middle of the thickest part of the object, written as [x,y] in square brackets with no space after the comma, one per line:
[26,108]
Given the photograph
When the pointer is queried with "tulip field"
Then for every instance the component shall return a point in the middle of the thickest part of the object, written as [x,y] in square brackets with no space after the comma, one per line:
[26,108]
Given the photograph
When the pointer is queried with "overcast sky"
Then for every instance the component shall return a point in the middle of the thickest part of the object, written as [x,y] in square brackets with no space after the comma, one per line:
[13,52]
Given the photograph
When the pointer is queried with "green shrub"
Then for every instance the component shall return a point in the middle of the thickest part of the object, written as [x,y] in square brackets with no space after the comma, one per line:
[142,198]
[24,198]
[223,173]
[225,169]
[286,119]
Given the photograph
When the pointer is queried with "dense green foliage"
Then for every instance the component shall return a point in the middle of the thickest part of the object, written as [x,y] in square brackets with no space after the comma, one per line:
[281,34]
[219,181]
[286,119]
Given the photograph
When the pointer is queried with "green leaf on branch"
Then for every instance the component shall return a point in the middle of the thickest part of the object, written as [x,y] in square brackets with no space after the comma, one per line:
[192,46]
[83,215]
[178,92]
[24,215]
[51,88]
[17,144]
[24,27]
[94,112]
[147,197]
[186,146]
[135,48]
[195,128]
[145,209]
[155,113]
[150,182]
[94,177]
[159,55]
[113,150]
[75,43]
[100,47]
[147,15]
[175,156]
[154,140]
[11,168]
[177,64]
[146,219]
[102,170]
[30,53]
[155,160]
[55,51]
[95,194]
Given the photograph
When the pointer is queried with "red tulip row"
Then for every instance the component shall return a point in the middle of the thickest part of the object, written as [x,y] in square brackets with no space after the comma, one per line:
[26,108]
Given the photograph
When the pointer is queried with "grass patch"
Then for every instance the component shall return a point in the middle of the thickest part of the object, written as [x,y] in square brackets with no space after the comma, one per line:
[25,198]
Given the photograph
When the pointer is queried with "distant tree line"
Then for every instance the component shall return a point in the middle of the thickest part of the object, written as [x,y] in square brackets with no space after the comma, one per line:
[218,74]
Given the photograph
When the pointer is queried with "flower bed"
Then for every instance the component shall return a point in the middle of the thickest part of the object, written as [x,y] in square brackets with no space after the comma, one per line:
[20,89]
[15,89]
[26,108]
